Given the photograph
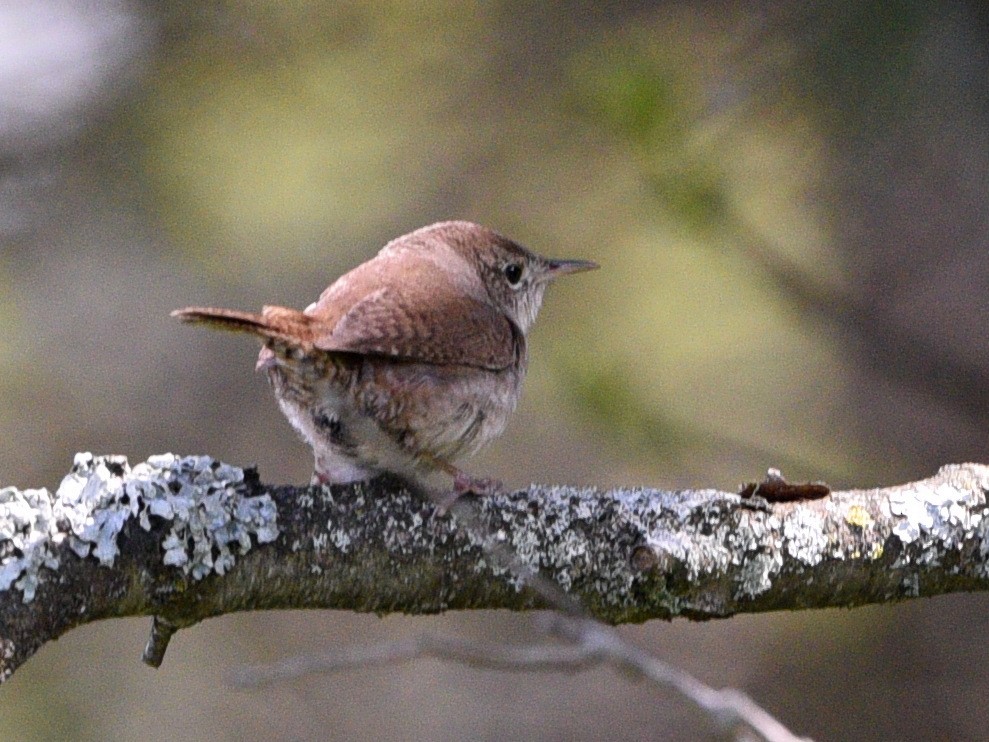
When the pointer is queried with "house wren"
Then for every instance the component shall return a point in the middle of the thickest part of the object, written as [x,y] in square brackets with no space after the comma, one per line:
[410,361]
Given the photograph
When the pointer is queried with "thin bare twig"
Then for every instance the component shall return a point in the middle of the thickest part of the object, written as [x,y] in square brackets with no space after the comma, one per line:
[730,708]
[590,644]
[492,656]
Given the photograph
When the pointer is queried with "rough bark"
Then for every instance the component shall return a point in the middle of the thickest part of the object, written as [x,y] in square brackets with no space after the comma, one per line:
[185,539]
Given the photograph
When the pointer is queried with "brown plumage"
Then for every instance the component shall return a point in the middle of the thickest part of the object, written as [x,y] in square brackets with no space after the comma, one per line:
[280,324]
[410,361]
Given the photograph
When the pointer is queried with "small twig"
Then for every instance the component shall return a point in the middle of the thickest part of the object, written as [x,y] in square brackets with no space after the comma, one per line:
[162,631]
[729,707]
[590,644]
[493,656]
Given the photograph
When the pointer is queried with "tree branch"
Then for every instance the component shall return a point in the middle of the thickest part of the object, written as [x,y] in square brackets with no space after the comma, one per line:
[186,539]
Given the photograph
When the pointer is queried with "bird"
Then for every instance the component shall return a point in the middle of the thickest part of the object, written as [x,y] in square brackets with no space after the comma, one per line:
[410,362]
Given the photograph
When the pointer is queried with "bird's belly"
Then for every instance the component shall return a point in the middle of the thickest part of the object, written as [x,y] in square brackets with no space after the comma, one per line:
[395,416]
[446,412]
[316,403]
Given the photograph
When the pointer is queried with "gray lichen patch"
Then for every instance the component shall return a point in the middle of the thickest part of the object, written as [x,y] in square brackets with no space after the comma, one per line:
[711,540]
[7,648]
[518,542]
[941,510]
[594,544]
[27,525]
[805,537]
[757,574]
[208,513]
[198,496]
[711,552]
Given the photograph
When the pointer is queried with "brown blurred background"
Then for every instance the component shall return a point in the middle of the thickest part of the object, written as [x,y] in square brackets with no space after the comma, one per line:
[789,202]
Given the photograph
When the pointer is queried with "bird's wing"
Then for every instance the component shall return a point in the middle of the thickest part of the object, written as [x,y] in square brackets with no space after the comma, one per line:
[428,321]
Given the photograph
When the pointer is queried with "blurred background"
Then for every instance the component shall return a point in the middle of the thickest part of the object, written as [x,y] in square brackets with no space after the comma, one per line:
[790,204]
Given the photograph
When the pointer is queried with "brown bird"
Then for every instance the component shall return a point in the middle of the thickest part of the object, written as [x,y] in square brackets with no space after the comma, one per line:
[412,360]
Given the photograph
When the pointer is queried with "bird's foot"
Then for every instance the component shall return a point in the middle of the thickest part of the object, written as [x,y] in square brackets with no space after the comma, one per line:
[464,484]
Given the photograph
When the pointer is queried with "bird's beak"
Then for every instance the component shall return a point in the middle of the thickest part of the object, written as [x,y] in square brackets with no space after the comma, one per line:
[557,268]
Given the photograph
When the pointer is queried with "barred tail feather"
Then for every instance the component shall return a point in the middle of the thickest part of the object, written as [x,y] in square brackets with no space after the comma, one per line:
[280,324]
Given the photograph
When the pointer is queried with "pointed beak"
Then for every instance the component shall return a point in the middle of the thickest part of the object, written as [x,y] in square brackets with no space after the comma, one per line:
[557,268]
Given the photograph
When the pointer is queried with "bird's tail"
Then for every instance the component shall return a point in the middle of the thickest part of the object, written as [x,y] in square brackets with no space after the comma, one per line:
[283,326]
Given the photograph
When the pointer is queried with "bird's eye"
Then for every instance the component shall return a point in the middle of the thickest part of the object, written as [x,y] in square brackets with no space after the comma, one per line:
[513,272]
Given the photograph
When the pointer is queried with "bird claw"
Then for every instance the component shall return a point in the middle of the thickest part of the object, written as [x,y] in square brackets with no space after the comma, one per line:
[464,484]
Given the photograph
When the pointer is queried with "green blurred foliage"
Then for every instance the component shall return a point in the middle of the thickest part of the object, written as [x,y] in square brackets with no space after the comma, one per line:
[706,323]
[653,103]
[314,119]
[855,69]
